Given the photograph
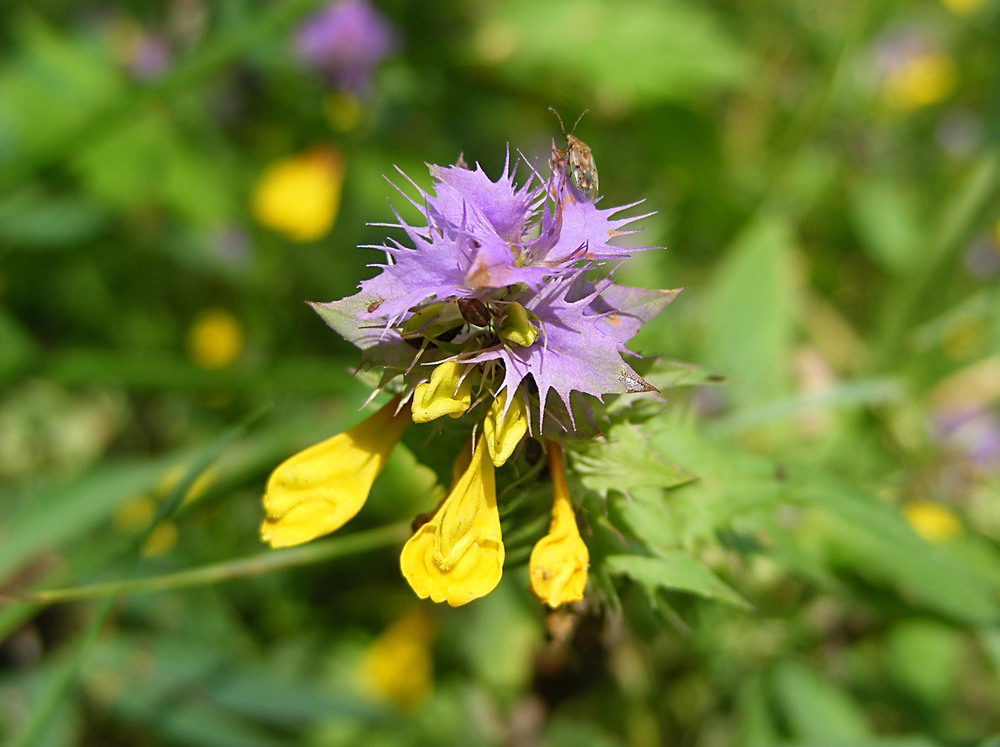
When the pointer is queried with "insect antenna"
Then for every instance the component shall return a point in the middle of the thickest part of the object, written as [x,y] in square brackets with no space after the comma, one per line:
[577,121]
[562,126]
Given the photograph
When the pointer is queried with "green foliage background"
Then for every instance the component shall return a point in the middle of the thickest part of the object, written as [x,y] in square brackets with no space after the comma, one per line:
[840,258]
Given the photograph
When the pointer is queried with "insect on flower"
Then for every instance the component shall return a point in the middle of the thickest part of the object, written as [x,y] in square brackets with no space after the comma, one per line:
[474,311]
[496,313]
[582,169]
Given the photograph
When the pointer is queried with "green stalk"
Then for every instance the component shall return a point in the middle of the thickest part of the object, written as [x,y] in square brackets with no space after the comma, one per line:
[230,570]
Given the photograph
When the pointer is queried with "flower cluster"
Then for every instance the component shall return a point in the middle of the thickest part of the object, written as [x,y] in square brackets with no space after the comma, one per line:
[498,308]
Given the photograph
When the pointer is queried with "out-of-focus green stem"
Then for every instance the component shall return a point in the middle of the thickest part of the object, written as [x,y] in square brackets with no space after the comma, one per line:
[230,570]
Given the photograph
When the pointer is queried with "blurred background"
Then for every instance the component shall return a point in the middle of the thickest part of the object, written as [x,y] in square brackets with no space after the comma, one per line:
[177,178]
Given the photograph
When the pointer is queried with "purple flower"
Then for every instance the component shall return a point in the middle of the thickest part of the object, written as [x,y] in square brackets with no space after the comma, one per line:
[346,41]
[499,306]
[508,281]
[973,432]
[150,57]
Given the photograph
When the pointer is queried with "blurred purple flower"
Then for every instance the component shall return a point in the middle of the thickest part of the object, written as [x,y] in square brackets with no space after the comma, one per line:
[150,57]
[892,50]
[346,41]
[144,55]
[982,257]
[975,433]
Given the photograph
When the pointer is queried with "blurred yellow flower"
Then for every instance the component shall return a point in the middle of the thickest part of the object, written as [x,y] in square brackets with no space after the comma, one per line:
[299,196]
[559,561]
[134,514]
[966,337]
[161,540]
[932,521]
[320,489]
[137,513]
[398,665]
[920,81]
[447,393]
[174,475]
[214,339]
[458,555]
[962,7]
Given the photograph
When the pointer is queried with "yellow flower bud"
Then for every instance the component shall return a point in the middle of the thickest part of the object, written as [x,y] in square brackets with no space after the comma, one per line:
[503,436]
[320,489]
[447,393]
[558,564]
[458,555]
[517,328]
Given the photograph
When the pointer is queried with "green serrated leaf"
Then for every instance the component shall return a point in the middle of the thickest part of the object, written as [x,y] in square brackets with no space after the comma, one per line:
[623,462]
[665,375]
[647,516]
[673,571]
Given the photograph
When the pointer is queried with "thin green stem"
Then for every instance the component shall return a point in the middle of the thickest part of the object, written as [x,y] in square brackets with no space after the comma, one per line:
[230,570]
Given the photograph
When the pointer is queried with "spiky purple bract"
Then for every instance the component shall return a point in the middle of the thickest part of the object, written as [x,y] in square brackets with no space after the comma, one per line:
[539,246]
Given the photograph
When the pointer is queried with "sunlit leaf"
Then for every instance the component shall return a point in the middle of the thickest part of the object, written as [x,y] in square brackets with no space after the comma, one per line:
[673,571]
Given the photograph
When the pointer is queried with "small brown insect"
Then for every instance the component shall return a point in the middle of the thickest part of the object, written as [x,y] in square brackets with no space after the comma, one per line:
[474,311]
[582,169]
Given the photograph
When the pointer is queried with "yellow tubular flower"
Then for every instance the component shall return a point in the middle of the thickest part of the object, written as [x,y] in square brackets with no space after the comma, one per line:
[320,489]
[444,394]
[503,437]
[458,555]
[558,564]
